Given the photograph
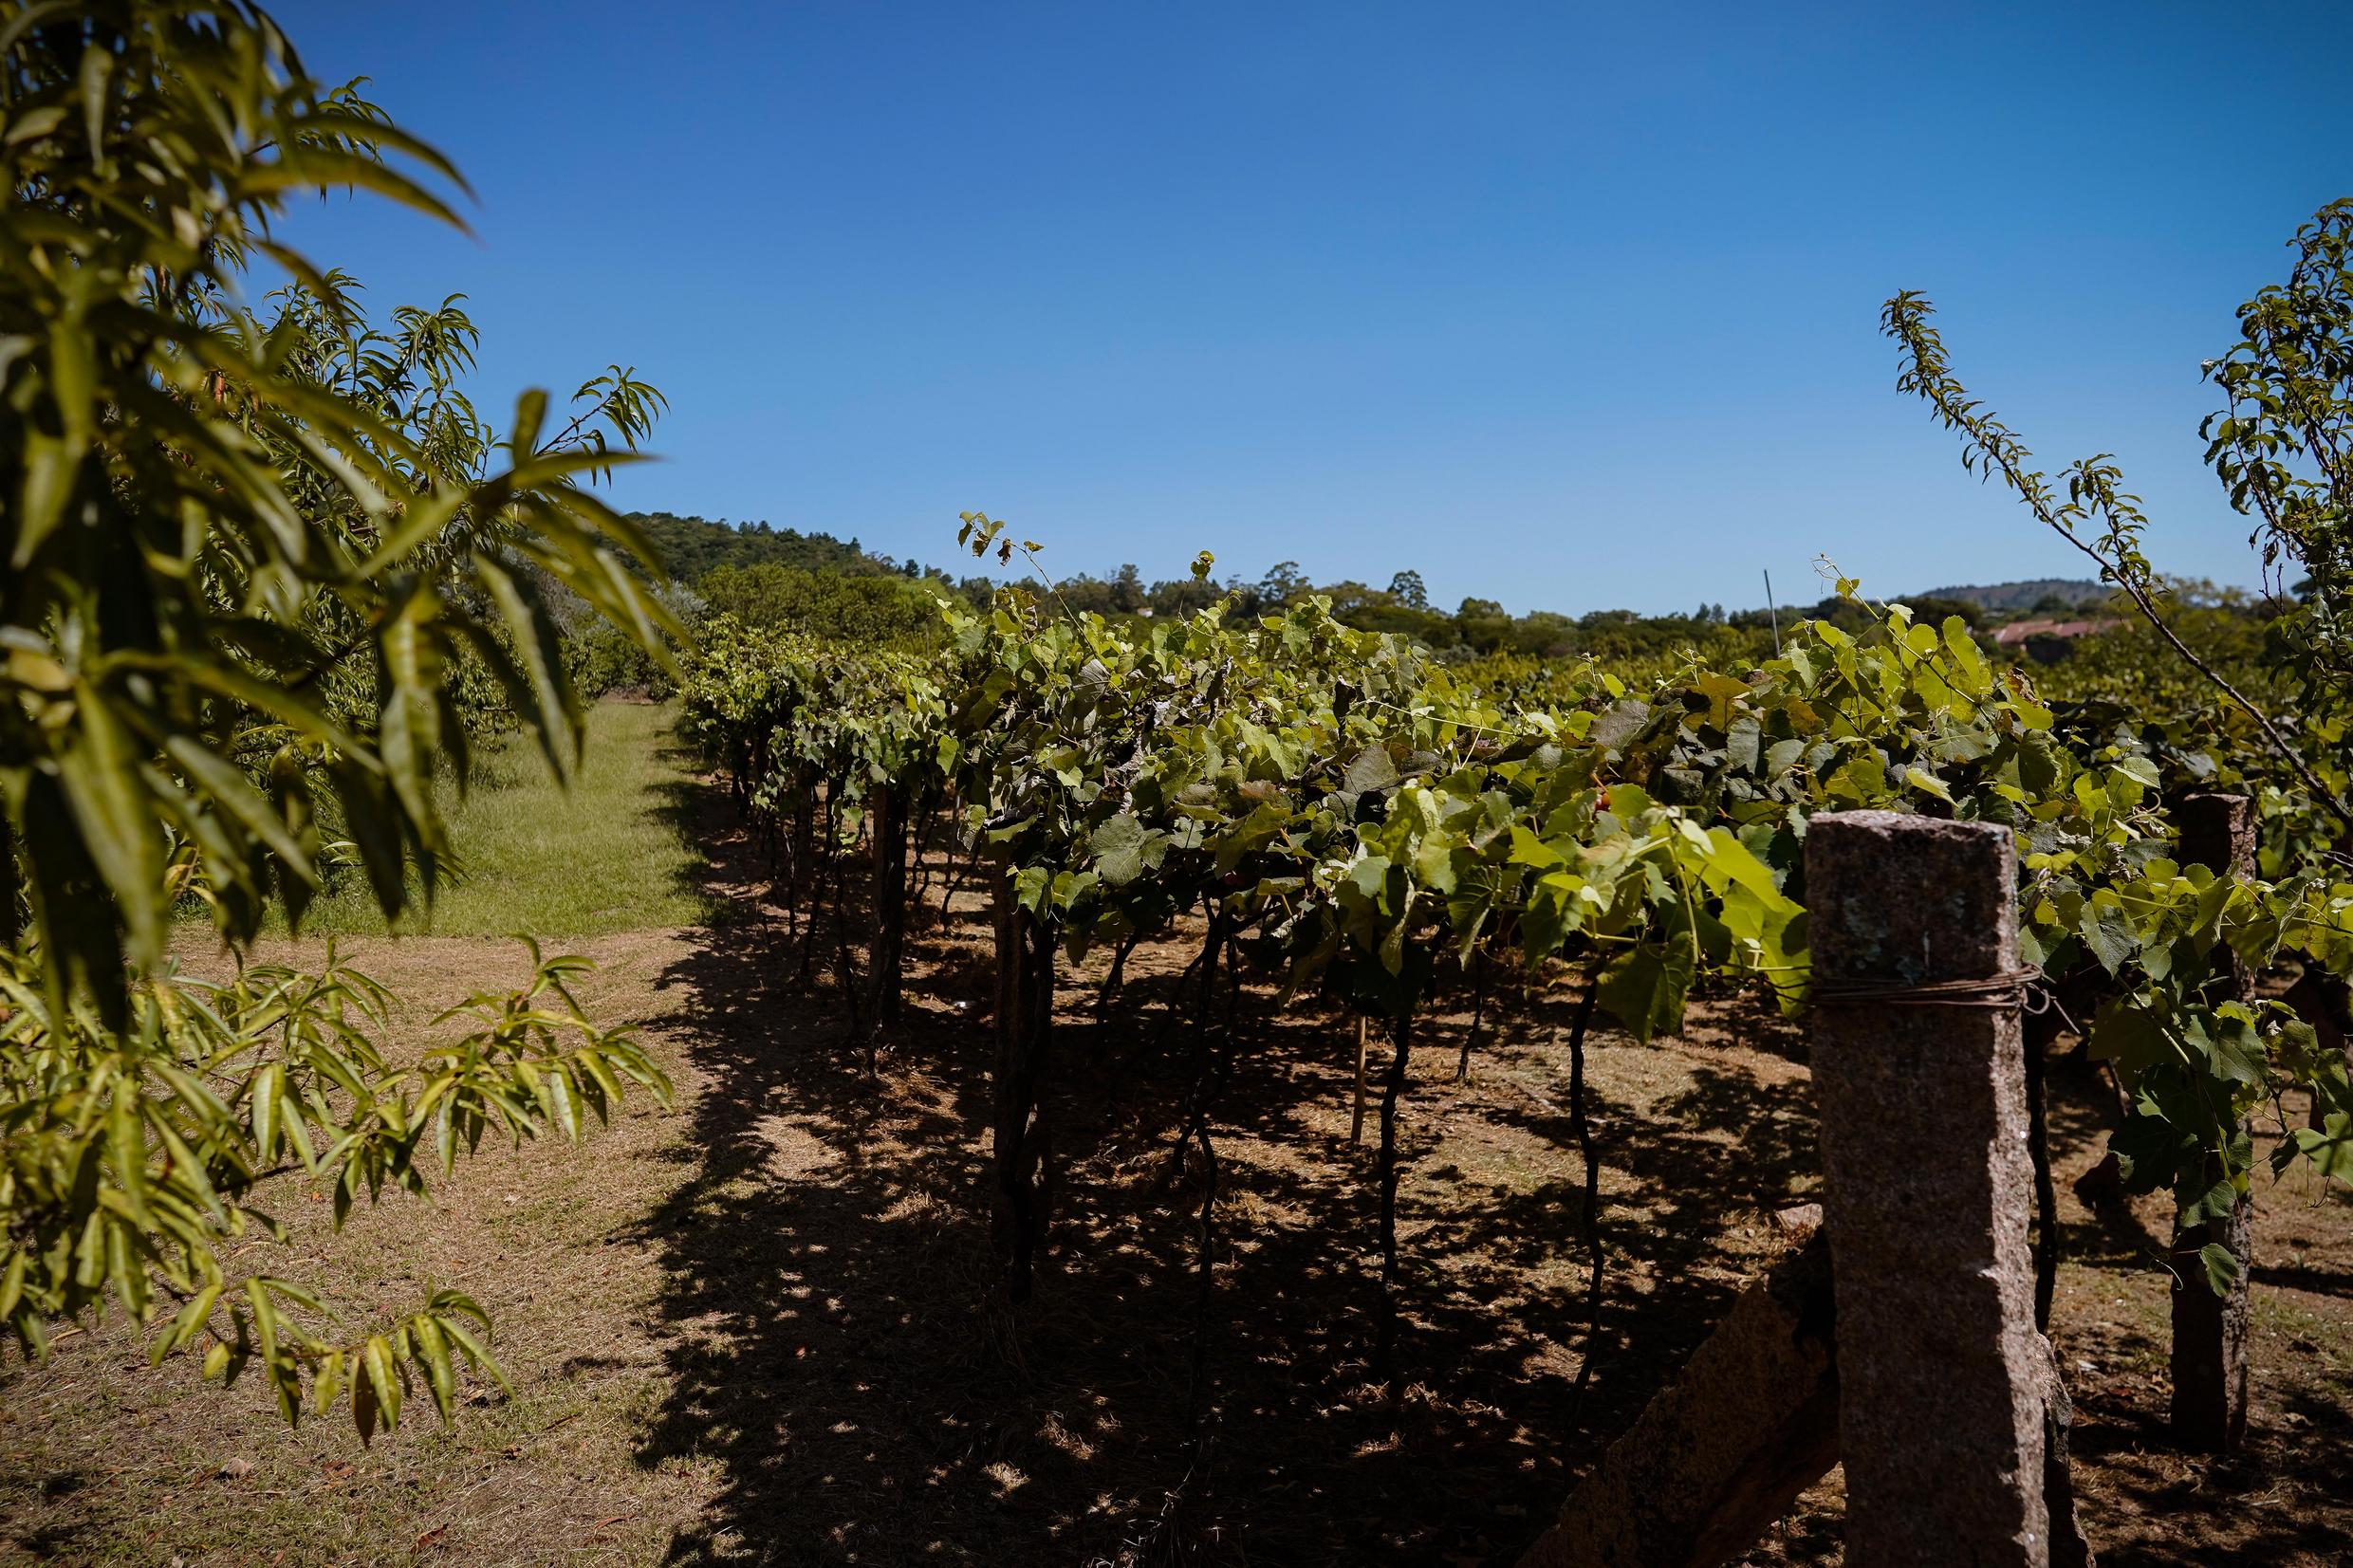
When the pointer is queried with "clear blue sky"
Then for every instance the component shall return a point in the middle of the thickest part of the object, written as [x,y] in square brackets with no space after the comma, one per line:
[1572,307]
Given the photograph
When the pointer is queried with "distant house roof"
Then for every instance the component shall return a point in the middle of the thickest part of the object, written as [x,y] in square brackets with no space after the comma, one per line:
[2016,634]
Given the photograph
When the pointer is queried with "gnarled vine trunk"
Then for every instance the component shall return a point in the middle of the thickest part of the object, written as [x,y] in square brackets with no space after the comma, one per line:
[2210,1331]
[802,846]
[1392,1091]
[1020,1145]
[886,821]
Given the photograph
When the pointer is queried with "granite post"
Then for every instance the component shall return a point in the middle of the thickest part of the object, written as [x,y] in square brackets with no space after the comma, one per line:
[1948,1409]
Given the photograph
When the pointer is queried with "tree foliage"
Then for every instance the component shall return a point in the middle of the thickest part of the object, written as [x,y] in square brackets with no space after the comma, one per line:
[2283,446]
[213,516]
[251,549]
[2088,508]
[870,610]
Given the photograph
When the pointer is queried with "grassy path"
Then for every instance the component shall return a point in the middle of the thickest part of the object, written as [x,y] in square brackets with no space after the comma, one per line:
[611,852]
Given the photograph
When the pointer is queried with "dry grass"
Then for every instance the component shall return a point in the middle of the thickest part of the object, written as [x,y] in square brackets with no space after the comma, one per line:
[104,1461]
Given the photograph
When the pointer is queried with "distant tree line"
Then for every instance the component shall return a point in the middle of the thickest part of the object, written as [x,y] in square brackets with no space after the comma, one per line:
[1477,626]
[837,590]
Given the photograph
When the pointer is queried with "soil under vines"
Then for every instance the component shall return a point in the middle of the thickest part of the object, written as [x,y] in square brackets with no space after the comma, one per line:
[771,1304]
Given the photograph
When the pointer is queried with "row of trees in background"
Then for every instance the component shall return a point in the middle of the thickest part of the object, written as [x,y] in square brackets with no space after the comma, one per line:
[823,586]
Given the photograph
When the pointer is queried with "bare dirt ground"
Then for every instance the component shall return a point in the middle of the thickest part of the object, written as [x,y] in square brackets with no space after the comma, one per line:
[752,1330]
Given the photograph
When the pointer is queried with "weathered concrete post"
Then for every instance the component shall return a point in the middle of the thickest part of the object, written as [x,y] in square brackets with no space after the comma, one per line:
[1946,1391]
[1907,1347]
[2210,1331]
[1724,1451]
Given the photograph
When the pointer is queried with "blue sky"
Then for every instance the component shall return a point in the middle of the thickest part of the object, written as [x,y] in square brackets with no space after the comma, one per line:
[1569,306]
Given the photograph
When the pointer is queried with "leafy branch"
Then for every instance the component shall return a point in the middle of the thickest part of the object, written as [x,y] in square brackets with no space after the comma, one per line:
[128,1161]
[2093,496]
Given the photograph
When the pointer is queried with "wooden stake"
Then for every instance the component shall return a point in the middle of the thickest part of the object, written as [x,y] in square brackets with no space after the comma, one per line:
[2210,1331]
[1355,1125]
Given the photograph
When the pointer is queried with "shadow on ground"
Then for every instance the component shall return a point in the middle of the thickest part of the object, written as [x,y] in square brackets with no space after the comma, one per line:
[835,1356]
[835,1360]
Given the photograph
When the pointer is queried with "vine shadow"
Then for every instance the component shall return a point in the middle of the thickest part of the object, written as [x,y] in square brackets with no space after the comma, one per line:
[847,1391]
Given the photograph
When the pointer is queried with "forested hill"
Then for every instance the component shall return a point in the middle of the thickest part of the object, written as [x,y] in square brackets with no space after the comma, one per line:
[691,546]
[2030,593]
